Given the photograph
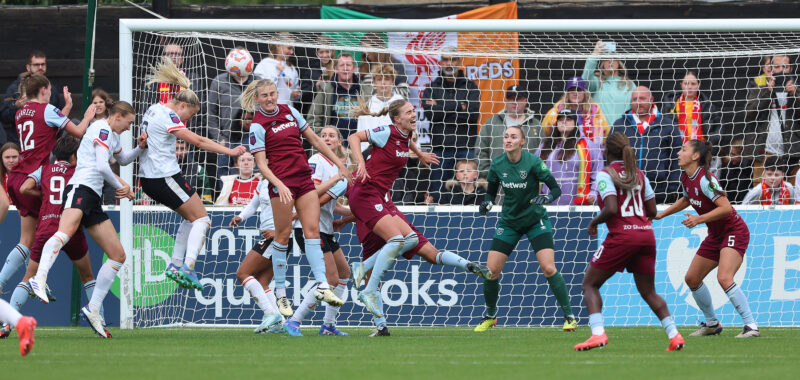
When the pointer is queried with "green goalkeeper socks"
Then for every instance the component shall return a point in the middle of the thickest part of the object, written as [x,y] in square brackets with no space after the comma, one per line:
[559,288]
[491,290]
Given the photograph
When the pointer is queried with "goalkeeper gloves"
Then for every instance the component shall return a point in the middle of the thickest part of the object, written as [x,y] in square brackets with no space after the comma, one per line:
[541,199]
[485,207]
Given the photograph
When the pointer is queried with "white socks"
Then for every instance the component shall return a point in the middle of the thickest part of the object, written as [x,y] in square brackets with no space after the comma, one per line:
[197,238]
[264,302]
[331,313]
[105,277]
[309,304]
[181,239]
[8,314]
[49,252]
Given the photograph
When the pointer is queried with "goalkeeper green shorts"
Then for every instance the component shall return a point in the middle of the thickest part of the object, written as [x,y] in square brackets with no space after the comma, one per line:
[506,237]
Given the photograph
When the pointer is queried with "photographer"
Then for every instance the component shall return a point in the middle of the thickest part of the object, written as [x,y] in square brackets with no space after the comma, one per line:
[771,114]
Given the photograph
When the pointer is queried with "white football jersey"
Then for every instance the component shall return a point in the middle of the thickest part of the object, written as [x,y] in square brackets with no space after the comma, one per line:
[322,170]
[158,160]
[286,80]
[99,133]
[265,215]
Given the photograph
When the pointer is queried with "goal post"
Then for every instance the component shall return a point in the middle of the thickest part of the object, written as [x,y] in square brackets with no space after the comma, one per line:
[727,54]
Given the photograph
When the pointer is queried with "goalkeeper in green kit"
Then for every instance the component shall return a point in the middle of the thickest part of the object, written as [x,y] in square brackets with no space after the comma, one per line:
[520,173]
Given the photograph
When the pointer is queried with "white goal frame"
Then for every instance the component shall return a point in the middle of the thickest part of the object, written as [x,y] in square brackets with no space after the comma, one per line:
[128,26]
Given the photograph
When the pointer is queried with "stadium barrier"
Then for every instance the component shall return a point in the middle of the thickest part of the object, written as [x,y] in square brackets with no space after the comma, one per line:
[419,294]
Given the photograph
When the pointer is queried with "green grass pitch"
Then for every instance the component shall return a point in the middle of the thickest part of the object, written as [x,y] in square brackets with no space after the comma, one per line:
[410,353]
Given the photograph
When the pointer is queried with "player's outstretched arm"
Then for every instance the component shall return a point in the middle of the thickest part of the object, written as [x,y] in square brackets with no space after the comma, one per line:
[207,144]
[246,213]
[722,210]
[425,158]
[679,205]
[125,158]
[342,210]
[492,185]
[77,131]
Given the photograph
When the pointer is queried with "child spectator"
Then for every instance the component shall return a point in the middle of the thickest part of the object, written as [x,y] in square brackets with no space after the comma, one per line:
[772,190]
[102,103]
[464,188]
[378,56]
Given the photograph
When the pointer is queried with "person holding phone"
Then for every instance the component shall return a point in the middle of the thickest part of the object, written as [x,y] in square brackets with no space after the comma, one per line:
[608,81]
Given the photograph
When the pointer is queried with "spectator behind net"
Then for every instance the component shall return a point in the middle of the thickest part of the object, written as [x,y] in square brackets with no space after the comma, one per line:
[516,113]
[656,142]
[464,188]
[573,160]
[773,189]
[591,122]
[608,83]
[452,104]
[15,97]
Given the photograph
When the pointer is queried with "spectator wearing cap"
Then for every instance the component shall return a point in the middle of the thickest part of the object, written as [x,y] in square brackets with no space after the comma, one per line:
[516,113]
[773,189]
[573,159]
[592,122]
[608,82]
[656,142]
[696,116]
[452,104]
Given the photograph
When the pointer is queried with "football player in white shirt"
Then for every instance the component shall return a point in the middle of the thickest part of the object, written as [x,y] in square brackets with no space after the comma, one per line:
[330,186]
[255,271]
[83,207]
[161,176]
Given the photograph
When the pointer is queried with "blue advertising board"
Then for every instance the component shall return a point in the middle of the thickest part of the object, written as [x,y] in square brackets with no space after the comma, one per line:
[417,293]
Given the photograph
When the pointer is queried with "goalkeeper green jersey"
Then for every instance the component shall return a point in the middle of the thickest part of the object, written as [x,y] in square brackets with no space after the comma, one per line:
[520,182]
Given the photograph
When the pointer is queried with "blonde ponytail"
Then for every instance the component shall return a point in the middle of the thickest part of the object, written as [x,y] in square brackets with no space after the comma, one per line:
[167,72]
[363,109]
[248,97]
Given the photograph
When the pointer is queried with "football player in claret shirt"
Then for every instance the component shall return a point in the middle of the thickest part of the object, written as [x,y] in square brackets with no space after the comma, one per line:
[38,124]
[275,141]
[725,245]
[374,177]
[48,183]
[626,200]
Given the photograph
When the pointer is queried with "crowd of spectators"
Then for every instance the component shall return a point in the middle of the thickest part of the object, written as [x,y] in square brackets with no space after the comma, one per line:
[757,164]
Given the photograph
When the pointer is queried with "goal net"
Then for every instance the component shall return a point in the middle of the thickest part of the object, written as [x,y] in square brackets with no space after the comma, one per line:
[730,83]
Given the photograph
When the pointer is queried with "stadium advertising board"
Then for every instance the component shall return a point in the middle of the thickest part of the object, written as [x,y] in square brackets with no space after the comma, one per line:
[418,293]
